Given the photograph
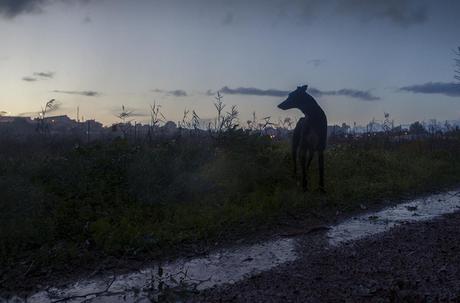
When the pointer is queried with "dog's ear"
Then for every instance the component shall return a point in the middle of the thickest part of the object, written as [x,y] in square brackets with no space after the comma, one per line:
[304,88]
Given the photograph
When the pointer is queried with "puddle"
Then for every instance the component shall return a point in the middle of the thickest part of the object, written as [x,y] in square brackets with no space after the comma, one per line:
[226,266]
[369,224]
[179,277]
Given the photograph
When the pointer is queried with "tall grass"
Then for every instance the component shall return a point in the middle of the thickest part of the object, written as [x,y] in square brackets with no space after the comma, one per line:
[63,202]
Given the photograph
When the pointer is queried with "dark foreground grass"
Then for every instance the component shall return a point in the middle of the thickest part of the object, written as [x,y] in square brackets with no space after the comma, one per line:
[63,204]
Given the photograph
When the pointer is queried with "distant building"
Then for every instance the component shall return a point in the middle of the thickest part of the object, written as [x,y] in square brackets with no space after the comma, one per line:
[56,124]
[60,121]
[17,125]
[169,129]
[11,119]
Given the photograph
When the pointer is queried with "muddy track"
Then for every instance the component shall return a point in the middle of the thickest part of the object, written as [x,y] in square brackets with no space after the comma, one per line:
[303,265]
[412,263]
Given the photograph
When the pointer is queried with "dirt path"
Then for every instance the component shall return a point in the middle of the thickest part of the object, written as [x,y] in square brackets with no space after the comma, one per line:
[412,263]
[396,261]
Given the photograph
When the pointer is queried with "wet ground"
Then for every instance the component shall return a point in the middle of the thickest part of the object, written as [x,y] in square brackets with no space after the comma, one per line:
[364,258]
[412,263]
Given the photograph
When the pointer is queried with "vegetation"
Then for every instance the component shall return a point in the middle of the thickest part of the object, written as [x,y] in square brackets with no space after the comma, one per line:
[64,203]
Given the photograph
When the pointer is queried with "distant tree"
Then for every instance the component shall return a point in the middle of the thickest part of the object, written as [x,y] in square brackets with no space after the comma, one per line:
[433,126]
[345,128]
[397,129]
[417,128]
[370,127]
[447,126]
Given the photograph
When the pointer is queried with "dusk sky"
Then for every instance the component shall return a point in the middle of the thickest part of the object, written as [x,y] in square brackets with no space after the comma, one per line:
[360,58]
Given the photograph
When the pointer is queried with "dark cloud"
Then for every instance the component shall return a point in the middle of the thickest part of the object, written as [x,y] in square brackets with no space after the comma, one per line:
[48,75]
[178,93]
[400,12]
[87,93]
[13,8]
[352,93]
[175,93]
[38,76]
[450,89]
[252,91]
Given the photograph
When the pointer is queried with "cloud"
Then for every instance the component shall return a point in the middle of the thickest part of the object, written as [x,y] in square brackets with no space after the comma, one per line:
[38,76]
[87,93]
[400,12]
[13,8]
[178,93]
[352,93]
[175,93]
[252,91]
[48,75]
[450,89]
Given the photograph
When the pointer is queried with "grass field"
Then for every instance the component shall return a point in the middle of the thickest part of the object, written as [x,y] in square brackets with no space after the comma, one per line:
[65,204]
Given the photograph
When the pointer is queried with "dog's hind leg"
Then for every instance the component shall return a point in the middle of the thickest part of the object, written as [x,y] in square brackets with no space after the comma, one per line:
[295,147]
[321,170]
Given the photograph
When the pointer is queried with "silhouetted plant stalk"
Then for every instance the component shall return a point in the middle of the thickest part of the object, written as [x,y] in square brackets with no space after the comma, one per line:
[156,117]
[195,120]
[286,123]
[219,105]
[185,123]
[224,120]
[124,124]
[50,106]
